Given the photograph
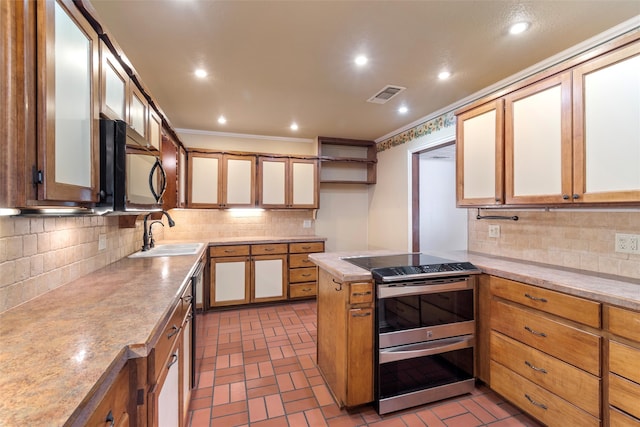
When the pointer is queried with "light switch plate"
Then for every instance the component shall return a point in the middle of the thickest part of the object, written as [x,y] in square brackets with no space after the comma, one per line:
[102,242]
[306,223]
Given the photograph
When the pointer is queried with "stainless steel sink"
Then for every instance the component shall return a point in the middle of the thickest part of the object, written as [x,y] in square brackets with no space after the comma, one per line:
[174,249]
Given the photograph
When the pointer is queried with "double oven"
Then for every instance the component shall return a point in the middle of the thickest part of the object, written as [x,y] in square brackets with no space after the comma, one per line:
[425,328]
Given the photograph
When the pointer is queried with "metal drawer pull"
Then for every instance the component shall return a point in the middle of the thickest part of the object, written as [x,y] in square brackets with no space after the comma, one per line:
[229,251]
[269,249]
[174,359]
[538,404]
[110,419]
[535,298]
[361,294]
[307,289]
[306,247]
[174,330]
[187,298]
[364,314]
[540,334]
[306,274]
[535,368]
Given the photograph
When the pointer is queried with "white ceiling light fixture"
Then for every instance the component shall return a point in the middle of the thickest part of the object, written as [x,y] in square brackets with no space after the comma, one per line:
[403,109]
[200,73]
[294,126]
[222,120]
[519,27]
[444,75]
[361,60]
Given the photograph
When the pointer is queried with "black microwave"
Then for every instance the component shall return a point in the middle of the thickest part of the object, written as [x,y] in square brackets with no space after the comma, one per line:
[132,178]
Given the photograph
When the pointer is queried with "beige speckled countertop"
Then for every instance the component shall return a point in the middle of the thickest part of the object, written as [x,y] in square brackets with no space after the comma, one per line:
[264,239]
[64,346]
[607,289]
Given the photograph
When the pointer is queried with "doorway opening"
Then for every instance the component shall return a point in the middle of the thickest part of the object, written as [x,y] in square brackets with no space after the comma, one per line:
[436,222]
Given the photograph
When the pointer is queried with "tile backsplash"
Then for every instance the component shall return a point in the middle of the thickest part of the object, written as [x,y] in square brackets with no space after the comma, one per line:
[576,239]
[38,254]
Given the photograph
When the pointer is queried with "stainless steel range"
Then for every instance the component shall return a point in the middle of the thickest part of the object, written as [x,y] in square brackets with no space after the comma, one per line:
[425,328]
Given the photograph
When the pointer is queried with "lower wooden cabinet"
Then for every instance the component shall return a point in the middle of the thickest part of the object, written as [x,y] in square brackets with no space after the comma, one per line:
[303,274]
[255,273]
[545,352]
[345,338]
[117,407]
[623,388]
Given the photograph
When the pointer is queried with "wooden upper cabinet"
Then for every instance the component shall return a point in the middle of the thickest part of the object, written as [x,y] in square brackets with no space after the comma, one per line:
[205,180]
[287,183]
[606,127]
[68,104]
[538,142]
[479,155]
[138,111]
[114,86]
[221,180]
[154,130]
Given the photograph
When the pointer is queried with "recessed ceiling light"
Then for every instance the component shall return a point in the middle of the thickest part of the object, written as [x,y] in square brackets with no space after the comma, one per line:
[200,73]
[294,126]
[444,75]
[222,120]
[519,27]
[361,60]
[402,109]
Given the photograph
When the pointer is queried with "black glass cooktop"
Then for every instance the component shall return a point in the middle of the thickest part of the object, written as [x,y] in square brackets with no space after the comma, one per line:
[411,266]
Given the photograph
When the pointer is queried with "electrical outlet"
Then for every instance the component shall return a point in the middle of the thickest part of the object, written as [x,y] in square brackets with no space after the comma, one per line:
[306,223]
[102,242]
[627,243]
[494,231]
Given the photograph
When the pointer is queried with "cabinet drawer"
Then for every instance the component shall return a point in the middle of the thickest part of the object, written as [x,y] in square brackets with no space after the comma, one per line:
[625,361]
[233,250]
[298,275]
[302,290]
[116,401]
[360,293]
[165,343]
[620,419]
[567,381]
[624,394]
[567,306]
[625,323]
[269,249]
[309,247]
[300,260]
[579,348]
[550,409]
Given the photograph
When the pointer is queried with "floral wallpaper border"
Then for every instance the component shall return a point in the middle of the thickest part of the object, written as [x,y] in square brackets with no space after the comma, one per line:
[433,125]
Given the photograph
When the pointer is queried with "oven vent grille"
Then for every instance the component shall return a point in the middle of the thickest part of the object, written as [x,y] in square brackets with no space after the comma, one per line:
[385,94]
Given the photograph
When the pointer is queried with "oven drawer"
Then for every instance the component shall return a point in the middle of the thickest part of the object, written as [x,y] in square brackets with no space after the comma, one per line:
[547,407]
[573,384]
[573,308]
[574,346]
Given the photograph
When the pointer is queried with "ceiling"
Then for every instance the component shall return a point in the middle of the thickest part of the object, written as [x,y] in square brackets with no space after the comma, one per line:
[271,63]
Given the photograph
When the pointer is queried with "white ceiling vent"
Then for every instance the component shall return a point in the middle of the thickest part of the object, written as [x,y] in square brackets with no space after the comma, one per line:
[385,94]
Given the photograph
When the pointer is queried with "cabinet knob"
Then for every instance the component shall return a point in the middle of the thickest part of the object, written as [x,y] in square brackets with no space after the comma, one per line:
[576,196]
[565,197]
[497,199]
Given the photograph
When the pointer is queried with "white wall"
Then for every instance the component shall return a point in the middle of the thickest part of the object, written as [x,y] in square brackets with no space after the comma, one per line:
[390,198]
[442,225]
[342,217]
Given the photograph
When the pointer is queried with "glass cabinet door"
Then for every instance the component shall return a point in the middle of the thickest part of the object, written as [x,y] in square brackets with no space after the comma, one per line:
[68,152]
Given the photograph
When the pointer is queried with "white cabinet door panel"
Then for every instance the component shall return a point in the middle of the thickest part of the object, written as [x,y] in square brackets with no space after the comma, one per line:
[204,180]
[230,280]
[304,183]
[268,278]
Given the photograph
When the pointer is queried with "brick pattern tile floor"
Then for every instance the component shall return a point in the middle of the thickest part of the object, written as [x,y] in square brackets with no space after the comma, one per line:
[258,369]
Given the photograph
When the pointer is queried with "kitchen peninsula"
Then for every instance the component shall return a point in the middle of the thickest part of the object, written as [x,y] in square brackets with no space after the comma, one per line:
[590,314]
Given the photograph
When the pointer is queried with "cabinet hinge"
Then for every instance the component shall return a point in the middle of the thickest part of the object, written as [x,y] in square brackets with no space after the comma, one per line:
[37,176]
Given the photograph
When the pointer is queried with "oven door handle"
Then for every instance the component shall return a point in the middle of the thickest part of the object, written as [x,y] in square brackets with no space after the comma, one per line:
[418,289]
[429,348]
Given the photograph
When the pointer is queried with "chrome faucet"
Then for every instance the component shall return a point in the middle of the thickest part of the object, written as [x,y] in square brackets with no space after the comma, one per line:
[147,237]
